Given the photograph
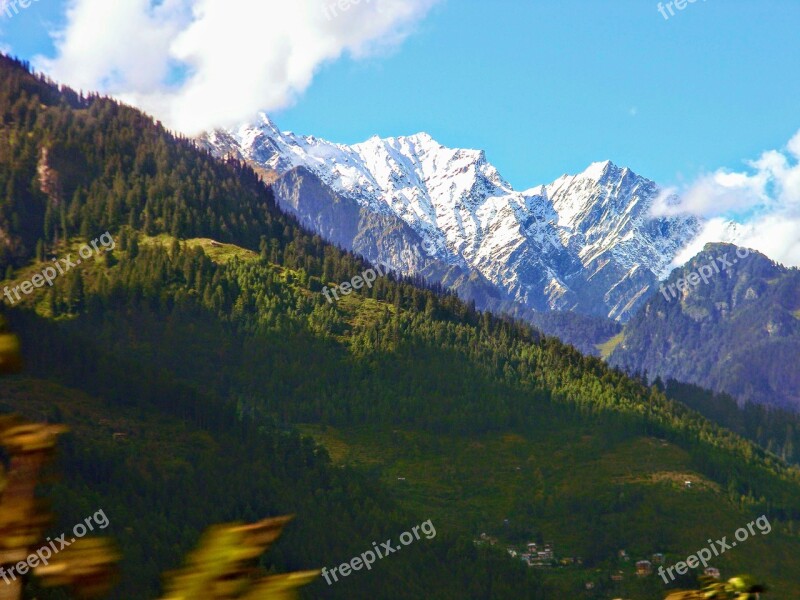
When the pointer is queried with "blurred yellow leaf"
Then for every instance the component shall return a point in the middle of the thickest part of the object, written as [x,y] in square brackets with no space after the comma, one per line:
[224,566]
[88,566]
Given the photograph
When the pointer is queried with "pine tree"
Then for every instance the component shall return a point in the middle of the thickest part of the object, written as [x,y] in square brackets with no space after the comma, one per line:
[75,292]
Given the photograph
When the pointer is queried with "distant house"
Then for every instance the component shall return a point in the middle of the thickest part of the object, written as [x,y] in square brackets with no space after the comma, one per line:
[658,559]
[120,437]
[548,553]
[589,585]
[712,572]
[688,484]
[532,547]
[644,568]
[618,576]
[511,552]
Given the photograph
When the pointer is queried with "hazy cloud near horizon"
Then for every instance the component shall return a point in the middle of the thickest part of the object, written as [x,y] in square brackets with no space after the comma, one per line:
[757,207]
[199,64]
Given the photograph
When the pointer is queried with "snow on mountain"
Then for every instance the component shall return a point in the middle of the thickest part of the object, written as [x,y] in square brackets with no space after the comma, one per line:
[585,242]
[606,211]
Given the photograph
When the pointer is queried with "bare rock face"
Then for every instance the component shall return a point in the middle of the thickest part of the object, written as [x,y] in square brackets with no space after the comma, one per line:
[49,181]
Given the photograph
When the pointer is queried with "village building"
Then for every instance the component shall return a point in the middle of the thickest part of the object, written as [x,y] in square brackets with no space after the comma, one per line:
[644,568]
[712,572]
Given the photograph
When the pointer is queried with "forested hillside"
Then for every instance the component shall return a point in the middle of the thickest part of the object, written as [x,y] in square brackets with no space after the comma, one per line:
[774,429]
[736,330]
[204,338]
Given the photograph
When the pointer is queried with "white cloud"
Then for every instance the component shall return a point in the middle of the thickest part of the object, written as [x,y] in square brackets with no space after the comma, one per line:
[777,236]
[714,194]
[758,207]
[794,145]
[198,64]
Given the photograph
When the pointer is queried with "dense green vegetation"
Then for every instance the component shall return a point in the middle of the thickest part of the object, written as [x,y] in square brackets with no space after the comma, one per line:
[170,479]
[773,429]
[209,356]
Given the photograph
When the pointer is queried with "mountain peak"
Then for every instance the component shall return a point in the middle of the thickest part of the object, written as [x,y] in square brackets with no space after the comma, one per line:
[265,123]
[598,170]
[423,136]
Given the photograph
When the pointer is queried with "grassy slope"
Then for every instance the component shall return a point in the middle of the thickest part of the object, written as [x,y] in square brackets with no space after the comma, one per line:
[607,347]
[475,484]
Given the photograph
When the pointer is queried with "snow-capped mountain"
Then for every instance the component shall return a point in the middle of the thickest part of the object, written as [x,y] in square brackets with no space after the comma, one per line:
[585,242]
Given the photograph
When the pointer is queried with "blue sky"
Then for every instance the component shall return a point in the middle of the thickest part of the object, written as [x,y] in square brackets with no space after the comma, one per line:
[548,87]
